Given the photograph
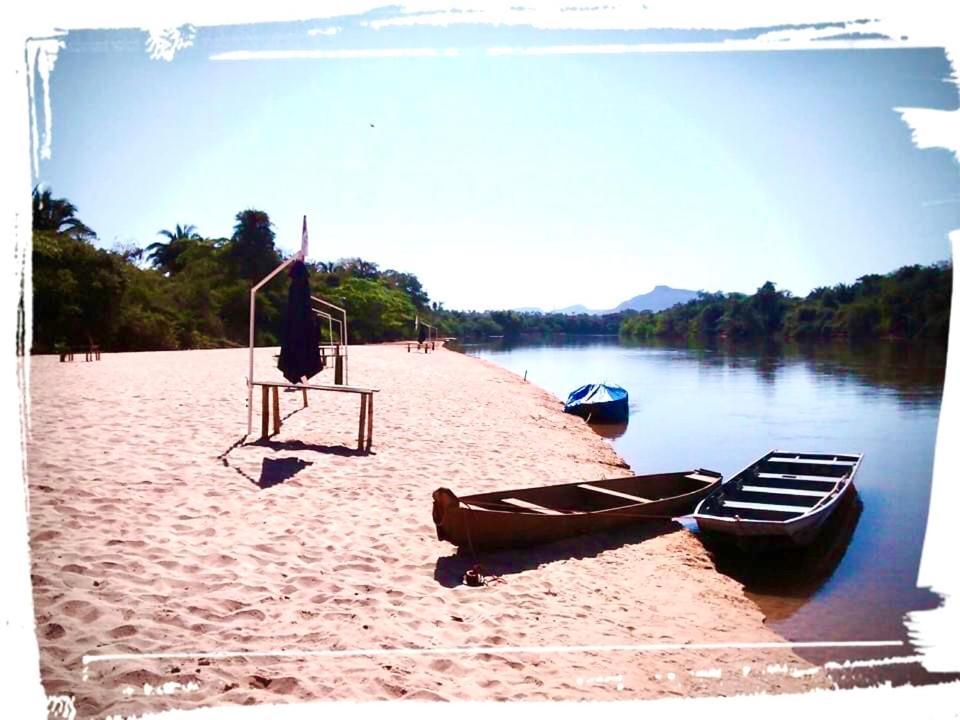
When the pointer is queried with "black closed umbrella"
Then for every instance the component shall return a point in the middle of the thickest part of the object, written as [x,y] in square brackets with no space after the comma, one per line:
[300,346]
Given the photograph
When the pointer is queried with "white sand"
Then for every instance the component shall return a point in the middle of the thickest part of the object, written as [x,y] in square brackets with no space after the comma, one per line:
[150,534]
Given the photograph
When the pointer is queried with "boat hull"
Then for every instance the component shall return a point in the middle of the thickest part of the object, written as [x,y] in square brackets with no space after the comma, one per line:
[771,521]
[599,403]
[616,411]
[485,522]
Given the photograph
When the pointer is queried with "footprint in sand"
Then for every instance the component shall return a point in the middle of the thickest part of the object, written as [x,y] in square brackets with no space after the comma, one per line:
[122,631]
[81,610]
[54,631]
[231,605]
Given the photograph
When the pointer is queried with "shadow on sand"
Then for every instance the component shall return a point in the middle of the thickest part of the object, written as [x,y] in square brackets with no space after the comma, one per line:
[273,472]
[341,450]
[450,569]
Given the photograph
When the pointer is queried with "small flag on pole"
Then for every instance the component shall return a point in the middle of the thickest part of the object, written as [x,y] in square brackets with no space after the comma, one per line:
[303,240]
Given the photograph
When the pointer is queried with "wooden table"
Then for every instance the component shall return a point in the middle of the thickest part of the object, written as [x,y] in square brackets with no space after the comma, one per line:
[365,434]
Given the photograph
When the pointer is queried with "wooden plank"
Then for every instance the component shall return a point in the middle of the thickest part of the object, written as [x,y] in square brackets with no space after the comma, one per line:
[265,414]
[813,478]
[369,421]
[615,493]
[363,417]
[784,491]
[702,478]
[736,504]
[305,403]
[306,386]
[801,461]
[276,410]
[530,506]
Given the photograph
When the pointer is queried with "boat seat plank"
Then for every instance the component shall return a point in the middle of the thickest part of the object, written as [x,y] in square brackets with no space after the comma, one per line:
[784,491]
[802,461]
[782,476]
[701,478]
[615,493]
[530,506]
[738,505]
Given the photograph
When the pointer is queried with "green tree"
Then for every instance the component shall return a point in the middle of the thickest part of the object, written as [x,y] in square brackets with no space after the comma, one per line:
[57,216]
[164,256]
[252,245]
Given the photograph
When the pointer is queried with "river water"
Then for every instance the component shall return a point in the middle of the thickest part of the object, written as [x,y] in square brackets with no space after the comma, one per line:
[721,406]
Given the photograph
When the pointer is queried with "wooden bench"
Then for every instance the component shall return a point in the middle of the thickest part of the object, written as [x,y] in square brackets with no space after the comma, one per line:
[365,435]
[426,346]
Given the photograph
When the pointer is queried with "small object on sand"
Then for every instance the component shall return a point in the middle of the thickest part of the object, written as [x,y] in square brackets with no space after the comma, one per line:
[473,577]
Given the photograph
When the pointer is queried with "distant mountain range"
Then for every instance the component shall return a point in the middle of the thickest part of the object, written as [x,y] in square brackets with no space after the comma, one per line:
[660,298]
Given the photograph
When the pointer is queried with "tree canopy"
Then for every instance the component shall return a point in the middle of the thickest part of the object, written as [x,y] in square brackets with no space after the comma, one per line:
[912,302]
[195,294]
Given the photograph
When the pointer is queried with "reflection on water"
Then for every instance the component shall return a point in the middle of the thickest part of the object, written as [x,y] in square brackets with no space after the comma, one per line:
[782,581]
[611,431]
[722,405]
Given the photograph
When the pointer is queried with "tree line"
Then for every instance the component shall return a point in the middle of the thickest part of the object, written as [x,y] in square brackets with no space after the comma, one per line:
[912,302]
[189,291]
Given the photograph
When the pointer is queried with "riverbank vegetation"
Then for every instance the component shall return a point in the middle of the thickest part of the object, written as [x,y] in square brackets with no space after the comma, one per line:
[185,290]
[910,303]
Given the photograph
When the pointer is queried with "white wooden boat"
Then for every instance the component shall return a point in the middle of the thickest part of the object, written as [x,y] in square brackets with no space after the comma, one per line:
[783,496]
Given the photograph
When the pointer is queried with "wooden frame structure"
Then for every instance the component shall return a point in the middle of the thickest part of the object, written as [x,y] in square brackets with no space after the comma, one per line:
[253,322]
[343,330]
[366,394]
[430,343]
[365,434]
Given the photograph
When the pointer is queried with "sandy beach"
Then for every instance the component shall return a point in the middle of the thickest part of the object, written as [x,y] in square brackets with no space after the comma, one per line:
[155,528]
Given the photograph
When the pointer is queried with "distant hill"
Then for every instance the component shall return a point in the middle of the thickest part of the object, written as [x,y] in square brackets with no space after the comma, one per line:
[576,310]
[660,298]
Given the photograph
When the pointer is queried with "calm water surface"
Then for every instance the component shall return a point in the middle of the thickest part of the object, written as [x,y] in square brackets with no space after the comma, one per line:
[723,406]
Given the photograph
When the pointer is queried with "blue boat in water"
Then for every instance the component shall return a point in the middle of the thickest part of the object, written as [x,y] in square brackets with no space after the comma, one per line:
[599,403]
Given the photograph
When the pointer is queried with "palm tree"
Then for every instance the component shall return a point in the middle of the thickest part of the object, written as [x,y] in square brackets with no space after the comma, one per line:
[253,244]
[164,255]
[58,216]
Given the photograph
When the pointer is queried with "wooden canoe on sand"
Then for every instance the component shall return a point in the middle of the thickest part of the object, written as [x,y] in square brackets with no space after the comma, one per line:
[517,518]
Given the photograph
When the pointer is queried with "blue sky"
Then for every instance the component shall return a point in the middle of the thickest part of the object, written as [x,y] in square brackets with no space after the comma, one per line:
[515,180]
